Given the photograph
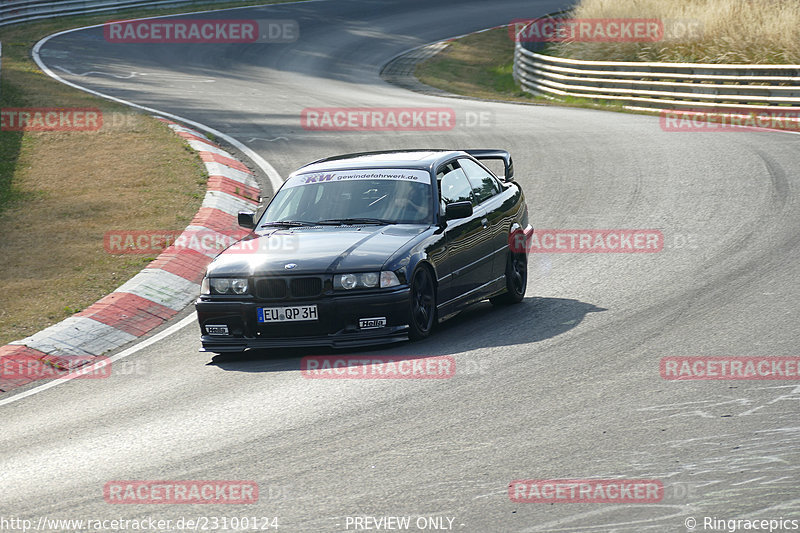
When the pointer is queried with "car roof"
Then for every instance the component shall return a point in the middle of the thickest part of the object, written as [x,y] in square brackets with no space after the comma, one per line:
[407,159]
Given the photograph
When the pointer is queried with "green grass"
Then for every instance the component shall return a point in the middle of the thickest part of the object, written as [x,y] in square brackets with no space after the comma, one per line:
[478,65]
[481,66]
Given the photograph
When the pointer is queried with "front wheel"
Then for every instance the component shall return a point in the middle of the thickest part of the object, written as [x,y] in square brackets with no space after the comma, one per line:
[422,305]
[516,280]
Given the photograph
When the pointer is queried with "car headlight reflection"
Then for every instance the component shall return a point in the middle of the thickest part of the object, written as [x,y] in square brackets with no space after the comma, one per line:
[365,280]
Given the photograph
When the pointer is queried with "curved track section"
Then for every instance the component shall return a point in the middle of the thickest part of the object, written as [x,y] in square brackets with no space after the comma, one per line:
[565,385]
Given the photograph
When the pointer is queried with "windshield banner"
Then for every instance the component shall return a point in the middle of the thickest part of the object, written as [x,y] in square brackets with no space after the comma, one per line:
[410,175]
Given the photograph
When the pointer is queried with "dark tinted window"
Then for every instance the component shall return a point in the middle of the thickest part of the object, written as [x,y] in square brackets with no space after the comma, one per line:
[484,185]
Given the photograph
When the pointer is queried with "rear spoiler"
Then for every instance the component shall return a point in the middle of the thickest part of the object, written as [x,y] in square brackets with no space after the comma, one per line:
[503,155]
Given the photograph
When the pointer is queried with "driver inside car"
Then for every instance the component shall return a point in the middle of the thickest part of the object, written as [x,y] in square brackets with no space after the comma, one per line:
[409,203]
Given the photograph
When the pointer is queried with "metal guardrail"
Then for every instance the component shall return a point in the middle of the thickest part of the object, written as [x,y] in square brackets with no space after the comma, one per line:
[18,11]
[696,86]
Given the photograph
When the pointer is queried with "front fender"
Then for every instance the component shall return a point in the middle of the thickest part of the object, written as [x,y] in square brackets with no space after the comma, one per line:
[423,249]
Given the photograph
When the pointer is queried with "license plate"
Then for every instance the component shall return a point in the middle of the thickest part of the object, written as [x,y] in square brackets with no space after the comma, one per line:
[217,329]
[295,313]
[372,323]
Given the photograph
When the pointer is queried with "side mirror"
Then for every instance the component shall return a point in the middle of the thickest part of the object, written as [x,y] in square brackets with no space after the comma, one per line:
[247,219]
[458,210]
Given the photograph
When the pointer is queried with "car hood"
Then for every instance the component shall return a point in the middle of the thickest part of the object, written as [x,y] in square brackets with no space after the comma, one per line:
[314,250]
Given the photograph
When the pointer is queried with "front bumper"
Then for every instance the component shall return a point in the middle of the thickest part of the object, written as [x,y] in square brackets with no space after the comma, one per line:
[337,325]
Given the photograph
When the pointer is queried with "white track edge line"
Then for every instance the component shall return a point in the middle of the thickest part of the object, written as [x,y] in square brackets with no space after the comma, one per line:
[125,353]
[274,177]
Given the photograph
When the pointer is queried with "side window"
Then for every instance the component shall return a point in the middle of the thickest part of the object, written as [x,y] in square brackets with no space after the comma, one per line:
[484,185]
[453,184]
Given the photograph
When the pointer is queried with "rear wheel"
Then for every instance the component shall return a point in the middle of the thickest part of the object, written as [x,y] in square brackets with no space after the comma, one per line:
[516,280]
[422,304]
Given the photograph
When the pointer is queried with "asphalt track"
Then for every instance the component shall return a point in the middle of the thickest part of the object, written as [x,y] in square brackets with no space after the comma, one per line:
[564,385]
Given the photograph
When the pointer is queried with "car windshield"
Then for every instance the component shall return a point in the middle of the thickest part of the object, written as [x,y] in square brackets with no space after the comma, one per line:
[382,196]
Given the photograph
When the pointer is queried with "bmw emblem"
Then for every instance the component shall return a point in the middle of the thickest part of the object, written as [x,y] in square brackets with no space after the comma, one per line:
[289,266]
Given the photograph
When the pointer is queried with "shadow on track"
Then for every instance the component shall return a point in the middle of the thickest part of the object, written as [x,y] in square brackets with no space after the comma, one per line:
[480,326]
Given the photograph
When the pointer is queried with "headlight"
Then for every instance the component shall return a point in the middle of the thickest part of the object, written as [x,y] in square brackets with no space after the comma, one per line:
[224,286]
[347,281]
[221,285]
[239,286]
[365,280]
[370,279]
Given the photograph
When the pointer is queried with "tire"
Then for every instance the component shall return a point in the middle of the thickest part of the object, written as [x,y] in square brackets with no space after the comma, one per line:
[422,305]
[516,280]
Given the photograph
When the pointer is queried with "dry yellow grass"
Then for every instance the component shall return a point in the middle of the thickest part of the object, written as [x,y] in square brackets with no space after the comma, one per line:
[74,188]
[732,31]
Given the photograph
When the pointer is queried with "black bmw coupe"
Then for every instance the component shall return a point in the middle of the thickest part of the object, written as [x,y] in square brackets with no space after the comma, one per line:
[369,248]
